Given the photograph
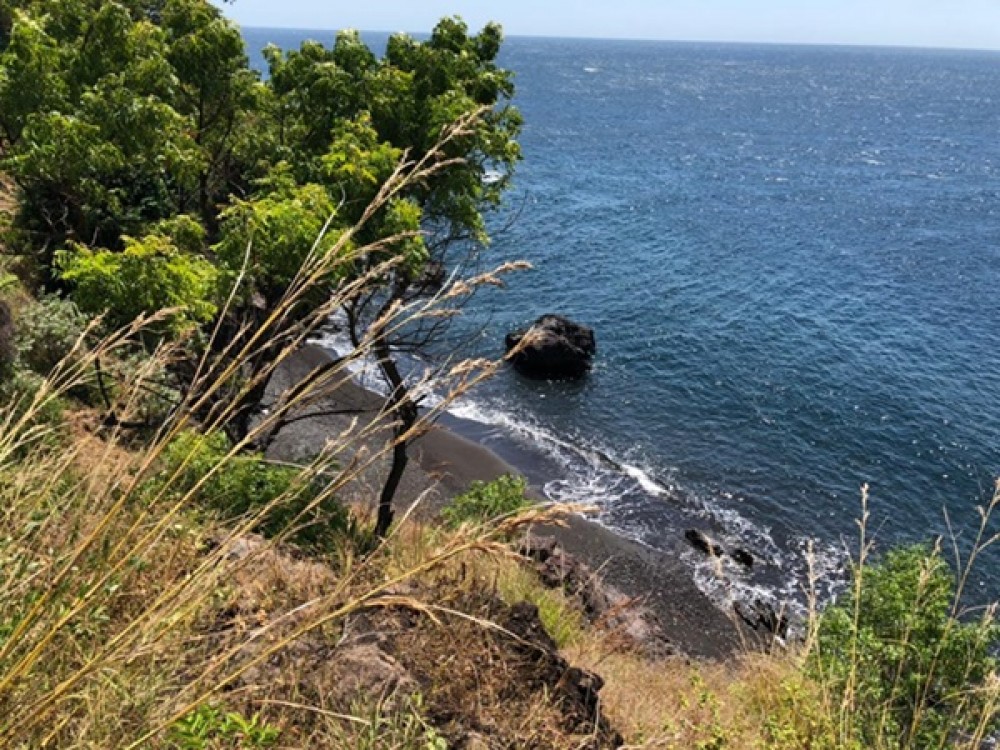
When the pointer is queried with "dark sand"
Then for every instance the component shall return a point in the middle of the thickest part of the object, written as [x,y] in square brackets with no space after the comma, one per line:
[444,463]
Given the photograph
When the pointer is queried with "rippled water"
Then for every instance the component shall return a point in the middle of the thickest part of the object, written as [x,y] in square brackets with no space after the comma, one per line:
[791,257]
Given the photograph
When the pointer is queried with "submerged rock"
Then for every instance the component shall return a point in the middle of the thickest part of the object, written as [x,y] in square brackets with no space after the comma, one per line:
[703,542]
[554,348]
[743,557]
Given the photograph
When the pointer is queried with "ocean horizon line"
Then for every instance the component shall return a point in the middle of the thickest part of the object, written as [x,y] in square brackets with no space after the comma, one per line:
[653,40]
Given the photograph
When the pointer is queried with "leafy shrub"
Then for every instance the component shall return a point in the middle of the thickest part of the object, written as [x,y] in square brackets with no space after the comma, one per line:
[907,668]
[150,275]
[487,500]
[47,331]
[209,727]
[247,483]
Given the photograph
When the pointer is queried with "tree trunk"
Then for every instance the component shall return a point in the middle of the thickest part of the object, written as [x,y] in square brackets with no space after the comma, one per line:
[405,414]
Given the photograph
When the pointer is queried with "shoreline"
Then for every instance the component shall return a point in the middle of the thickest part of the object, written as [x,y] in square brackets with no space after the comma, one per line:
[444,463]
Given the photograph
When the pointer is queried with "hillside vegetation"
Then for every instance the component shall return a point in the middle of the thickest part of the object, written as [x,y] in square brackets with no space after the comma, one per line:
[174,229]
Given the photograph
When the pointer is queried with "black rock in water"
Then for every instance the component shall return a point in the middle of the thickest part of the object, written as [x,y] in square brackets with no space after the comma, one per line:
[701,541]
[743,557]
[556,348]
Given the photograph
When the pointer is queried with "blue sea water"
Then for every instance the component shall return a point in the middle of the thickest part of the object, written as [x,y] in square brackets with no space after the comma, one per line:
[791,258]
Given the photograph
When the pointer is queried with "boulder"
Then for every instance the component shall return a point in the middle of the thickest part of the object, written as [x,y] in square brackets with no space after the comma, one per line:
[560,570]
[554,348]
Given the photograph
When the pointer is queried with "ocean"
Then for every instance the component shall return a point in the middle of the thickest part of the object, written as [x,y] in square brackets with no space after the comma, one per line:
[791,259]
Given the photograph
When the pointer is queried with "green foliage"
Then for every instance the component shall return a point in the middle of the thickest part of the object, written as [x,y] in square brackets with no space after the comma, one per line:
[29,74]
[211,728]
[280,231]
[47,331]
[150,275]
[908,669]
[235,486]
[486,501]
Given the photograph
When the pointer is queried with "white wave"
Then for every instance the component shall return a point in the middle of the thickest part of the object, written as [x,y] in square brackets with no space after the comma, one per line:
[595,477]
[645,481]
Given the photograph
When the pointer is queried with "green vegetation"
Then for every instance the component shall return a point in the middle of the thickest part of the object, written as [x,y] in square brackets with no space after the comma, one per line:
[487,501]
[283,501]
[158,175]
[181,226]
[910,671]
[382,728]
[47,333]
[209,727]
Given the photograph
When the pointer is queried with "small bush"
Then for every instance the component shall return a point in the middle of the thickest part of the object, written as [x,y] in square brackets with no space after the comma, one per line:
[909,672]
[247,483]
[47,331]
[486,501]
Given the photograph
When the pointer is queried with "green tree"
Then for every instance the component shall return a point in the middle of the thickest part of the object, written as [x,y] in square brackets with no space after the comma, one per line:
[119,117]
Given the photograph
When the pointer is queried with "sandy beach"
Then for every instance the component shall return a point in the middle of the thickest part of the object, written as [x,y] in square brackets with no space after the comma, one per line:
[444,464]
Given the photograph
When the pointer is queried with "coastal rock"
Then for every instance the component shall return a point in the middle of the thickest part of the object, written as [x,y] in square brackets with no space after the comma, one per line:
[560,570]
[574,690]
[553,348]
[743,557]
[703,542]
[760,615]
[626,621]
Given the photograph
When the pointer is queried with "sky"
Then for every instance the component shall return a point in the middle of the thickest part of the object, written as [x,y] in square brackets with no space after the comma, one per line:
[912,23]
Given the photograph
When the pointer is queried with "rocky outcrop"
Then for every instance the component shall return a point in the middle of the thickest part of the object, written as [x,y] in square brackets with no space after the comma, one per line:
[545,671]
[558,569]
[480,684]
[553,348]
[704,543]
[763,617]
[626,621]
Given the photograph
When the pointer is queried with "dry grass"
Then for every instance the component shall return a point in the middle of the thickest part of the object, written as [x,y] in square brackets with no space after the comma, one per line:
[122,606]
[758,701]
